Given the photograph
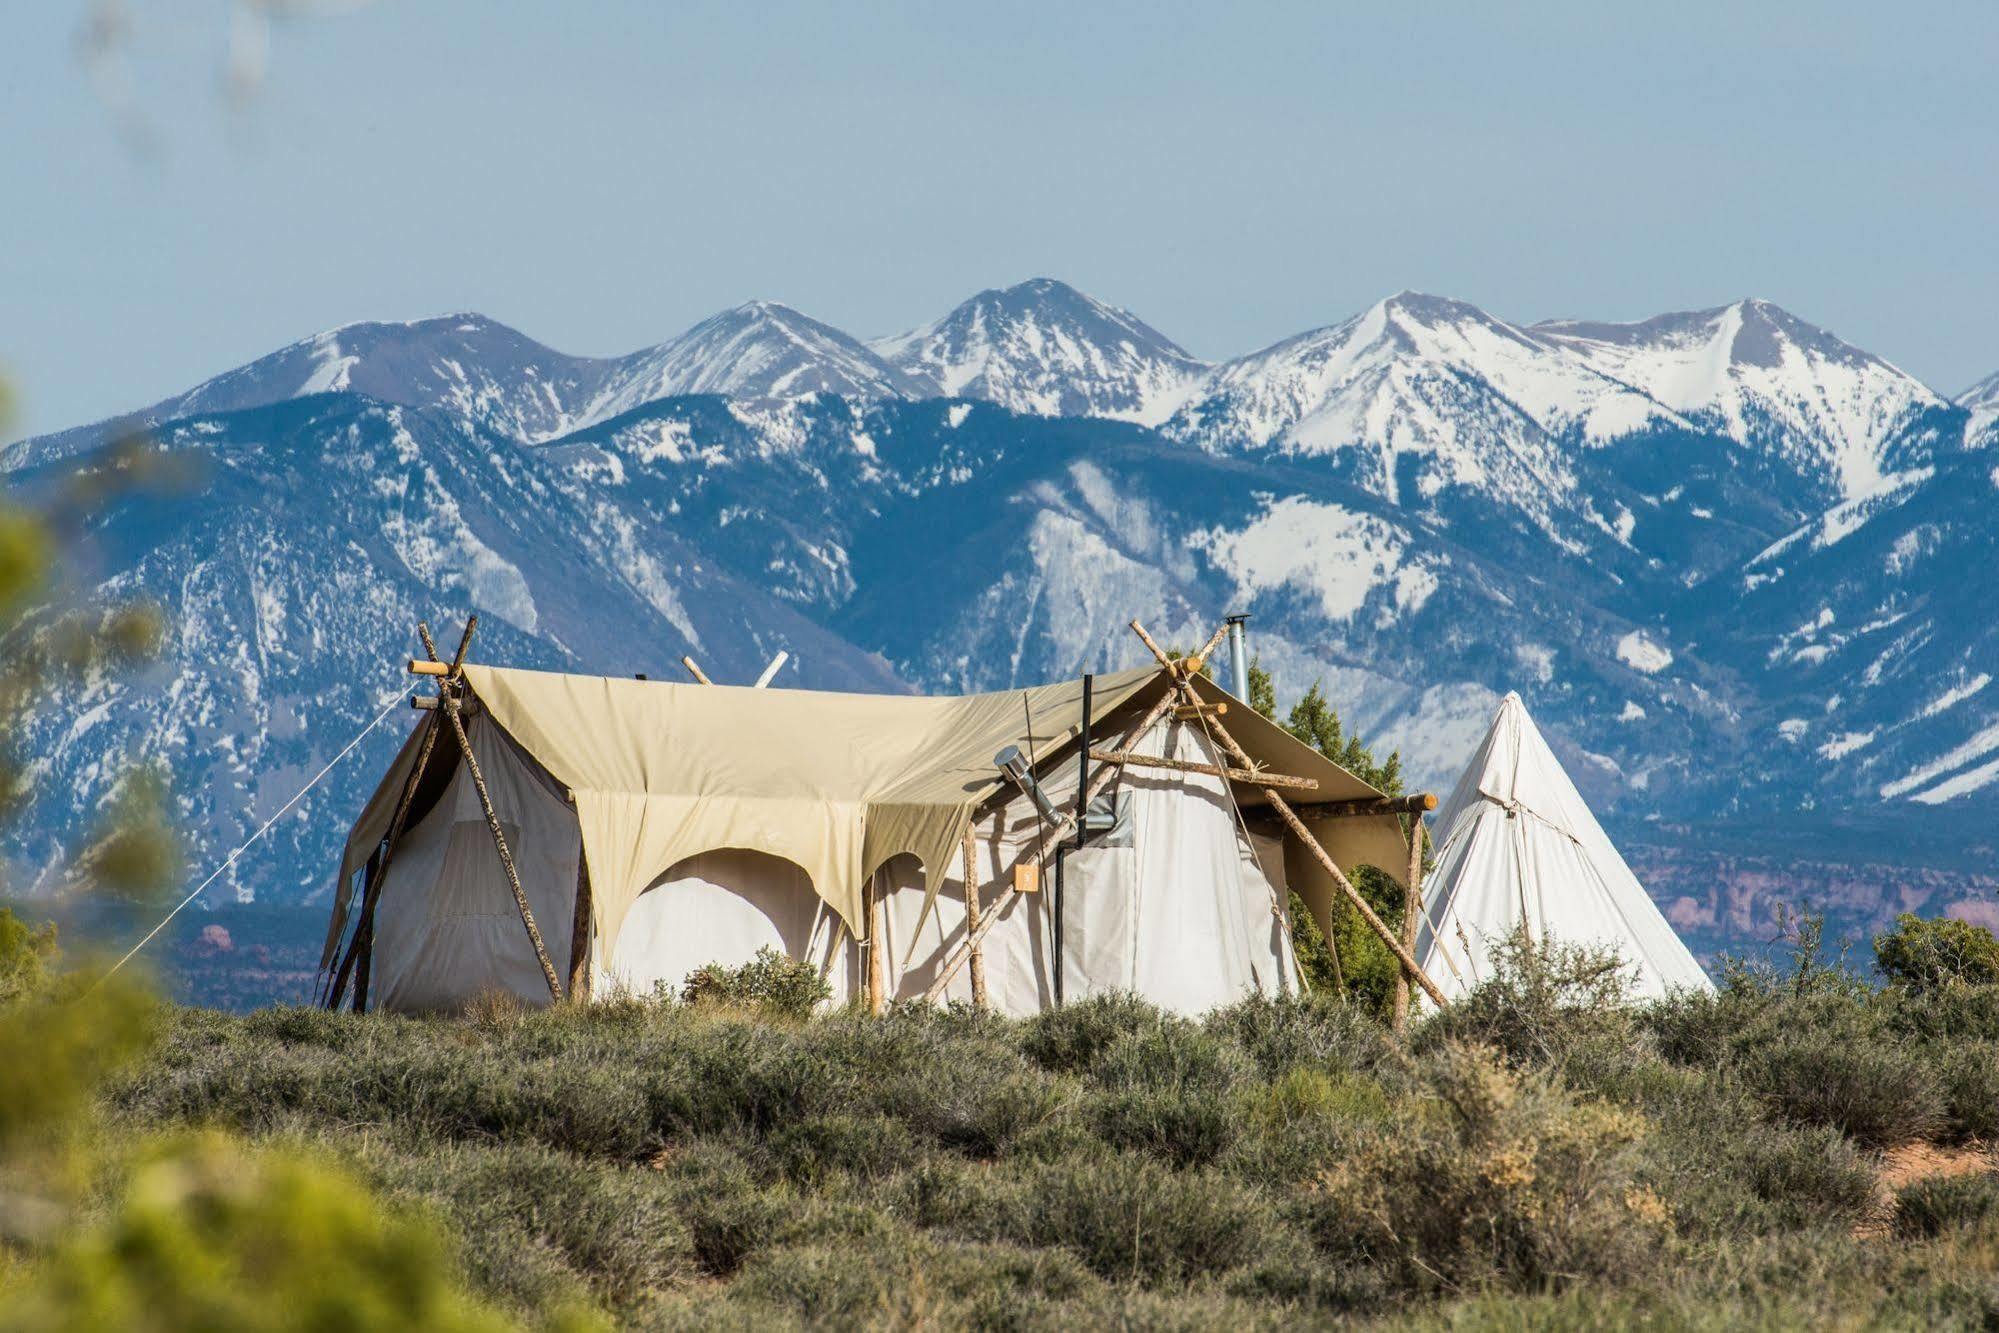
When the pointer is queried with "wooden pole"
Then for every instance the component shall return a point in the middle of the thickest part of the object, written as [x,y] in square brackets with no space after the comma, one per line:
[978,961]
[699,675]
[1367,913]
[1186,666]
[500,844]
[464,642]
[1412,908]
[877,977]
[1212,770]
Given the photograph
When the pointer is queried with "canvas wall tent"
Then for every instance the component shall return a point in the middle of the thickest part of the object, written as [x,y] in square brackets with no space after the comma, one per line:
[1517,845]
[655,826]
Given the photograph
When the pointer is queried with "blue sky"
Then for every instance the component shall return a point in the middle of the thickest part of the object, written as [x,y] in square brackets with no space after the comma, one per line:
[602,175]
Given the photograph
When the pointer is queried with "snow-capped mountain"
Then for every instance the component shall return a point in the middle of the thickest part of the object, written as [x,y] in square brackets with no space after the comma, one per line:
[1772,383]
[1043,347]
[290,586]
[1981,401]
[1418,396]
[479,369]
[495,378]
[1422,506]
[758,350]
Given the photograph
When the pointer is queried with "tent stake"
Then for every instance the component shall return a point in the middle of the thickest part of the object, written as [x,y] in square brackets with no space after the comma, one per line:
[500,841]
[972,916]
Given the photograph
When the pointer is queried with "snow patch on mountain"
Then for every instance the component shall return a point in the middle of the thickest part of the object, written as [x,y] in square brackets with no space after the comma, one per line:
[1333,553]
[1641,652]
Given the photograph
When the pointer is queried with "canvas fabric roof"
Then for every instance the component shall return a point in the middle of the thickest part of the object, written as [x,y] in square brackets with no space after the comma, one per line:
[1516,843]
[837,783]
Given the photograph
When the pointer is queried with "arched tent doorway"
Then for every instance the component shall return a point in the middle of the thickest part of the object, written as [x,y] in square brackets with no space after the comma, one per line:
[723,906]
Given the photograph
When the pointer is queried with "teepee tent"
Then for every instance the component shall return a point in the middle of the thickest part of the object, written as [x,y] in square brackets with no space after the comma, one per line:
[1516,844]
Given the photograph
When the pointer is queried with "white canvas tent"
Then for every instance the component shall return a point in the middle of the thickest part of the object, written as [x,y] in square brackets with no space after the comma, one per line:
[653,827]
[1516,844]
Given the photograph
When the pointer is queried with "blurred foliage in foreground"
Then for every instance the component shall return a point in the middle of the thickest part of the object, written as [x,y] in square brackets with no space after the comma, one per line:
[108,1227]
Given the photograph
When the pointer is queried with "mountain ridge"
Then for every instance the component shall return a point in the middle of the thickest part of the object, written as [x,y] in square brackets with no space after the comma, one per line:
[1710,629]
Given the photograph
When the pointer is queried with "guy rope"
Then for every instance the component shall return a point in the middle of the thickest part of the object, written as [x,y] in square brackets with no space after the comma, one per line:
[246,844]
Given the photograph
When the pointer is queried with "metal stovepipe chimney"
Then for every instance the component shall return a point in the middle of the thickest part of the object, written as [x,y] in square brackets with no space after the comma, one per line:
[1238,658]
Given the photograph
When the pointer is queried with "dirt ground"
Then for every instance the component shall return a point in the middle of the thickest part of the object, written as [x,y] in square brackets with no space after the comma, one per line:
[1904,1166]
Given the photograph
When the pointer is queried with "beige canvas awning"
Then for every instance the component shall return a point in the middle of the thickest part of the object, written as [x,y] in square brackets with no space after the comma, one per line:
[836,783]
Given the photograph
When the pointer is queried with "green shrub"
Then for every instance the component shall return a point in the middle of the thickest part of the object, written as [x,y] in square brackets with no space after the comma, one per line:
[1541,1004]
[1932,1206]
[1969,1073]
[1938,954]
[770,983]
[1809,1176]
[1069,1039]
[1319,1029]
[1169,1090]
[546,1228]
[208,1235]
[728,1211]
[1703,1029]
[26,955]
[824,1147]
[1953,1012]
[1504,1176]
[1131,1219]
[1876,1092]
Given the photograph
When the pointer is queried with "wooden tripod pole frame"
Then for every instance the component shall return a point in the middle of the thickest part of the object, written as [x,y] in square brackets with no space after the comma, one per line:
[500,845]
[1312,844]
